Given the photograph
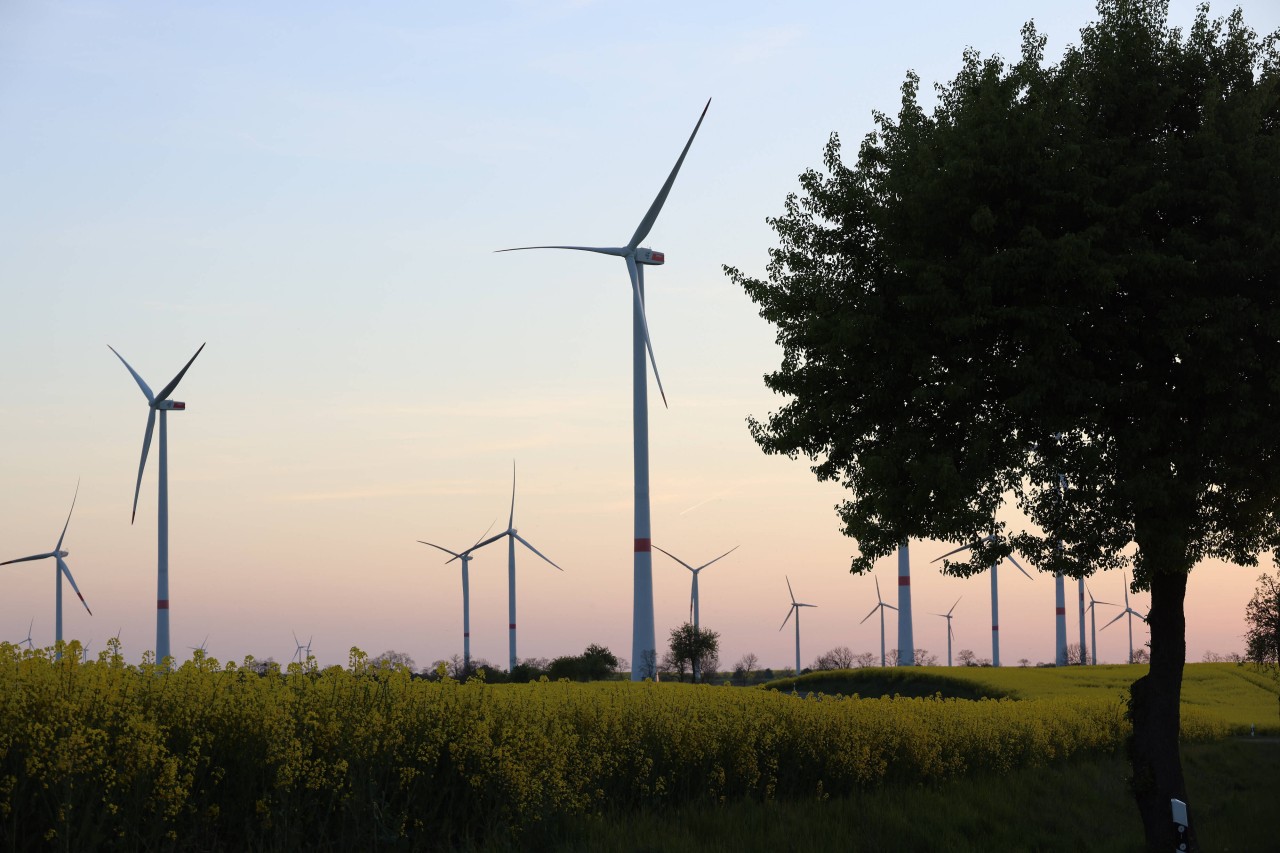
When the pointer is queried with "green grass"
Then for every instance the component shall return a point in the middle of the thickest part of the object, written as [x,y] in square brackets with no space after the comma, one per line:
[1081,805]
[1236,694]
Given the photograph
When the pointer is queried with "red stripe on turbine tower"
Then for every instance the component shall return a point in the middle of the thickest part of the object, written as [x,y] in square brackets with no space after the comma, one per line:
[1061,611]
[995,627]
[643,545]
[904,580]
[162,604]
[513,626]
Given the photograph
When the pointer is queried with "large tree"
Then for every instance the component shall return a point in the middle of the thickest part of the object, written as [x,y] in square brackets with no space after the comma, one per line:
[1060,288]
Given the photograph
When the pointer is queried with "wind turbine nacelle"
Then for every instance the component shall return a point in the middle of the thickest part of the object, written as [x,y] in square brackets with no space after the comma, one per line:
[650,257]
[171,405]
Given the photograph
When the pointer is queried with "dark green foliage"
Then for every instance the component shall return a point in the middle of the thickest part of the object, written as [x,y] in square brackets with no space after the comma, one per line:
[1061,285]
[693,649]
[597,663]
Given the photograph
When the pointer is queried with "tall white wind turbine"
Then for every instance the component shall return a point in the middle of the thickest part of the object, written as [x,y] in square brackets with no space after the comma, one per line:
[60,569]
[795,608]
[693,595]
[162,404]
[1084,653]
[950,634]
[1093,623]
[995,594]
[880,605]
[512,538]
[465,557]
[643,643]
[1130,612]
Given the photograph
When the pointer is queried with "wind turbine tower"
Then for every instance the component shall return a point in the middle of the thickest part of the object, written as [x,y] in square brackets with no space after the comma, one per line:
[60,569]
[465,557]
[950,633]
[162,404]
[1130,612]
[1093,623]
[693,596]
[995,594]
[881,605]
[795,608]
[512,538]
[644,646]
[906,637]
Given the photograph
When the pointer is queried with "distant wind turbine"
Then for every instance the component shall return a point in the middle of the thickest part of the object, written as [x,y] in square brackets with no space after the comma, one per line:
[200,648]
[465,557]
[950,633]
[1093,623]
[643,643]
[512,538]
[1130,612]
[693,594]
[162,404]
[60,569]
[27,641]
[303,652]
[995,596]
[1084,654]
[795,608]
[880,605]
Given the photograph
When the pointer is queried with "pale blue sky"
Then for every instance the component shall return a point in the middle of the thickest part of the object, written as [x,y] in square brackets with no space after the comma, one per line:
[316,190]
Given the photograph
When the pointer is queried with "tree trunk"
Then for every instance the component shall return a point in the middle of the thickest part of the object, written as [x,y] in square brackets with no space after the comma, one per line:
[1155,713]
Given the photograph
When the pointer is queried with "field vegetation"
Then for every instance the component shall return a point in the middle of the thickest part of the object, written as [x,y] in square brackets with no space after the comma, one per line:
[211,756]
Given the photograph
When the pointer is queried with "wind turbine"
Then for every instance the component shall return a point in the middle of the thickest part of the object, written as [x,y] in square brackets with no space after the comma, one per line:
[1093,622]
[1130,612]
[60,569]
[950,633]
[880,605]
[643,643]
[162,404]
[27,641]
[995,596]
[906,637]
[1060,593]
[200,648]
[512,538]
[1084,655]
[301,649]
[693,595]
[465,557]
[795,608]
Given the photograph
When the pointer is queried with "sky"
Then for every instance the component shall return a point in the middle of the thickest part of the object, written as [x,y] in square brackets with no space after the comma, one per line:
[316,191]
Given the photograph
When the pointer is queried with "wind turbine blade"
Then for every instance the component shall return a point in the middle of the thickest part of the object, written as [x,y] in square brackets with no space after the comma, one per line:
[888,605]
[790,593]
[788,619]
[142,463]
[869,615]
[1018,566]
[600,250]
[636,276]
[878,598]
[482,535]
[526,544]
[438,547]
[58,547]
[646,224]
[953,607]
[674,557]
[27,559]
[168,389]
[1119,616]
[721,557]
[955,551]
[151,398]
[494,538]
[62,567]
[511,519]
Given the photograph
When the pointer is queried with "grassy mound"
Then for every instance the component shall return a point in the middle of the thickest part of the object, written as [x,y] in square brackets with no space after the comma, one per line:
[871,682]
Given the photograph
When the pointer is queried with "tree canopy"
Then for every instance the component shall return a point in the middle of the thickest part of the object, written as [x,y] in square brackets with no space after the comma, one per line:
[1059,287]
